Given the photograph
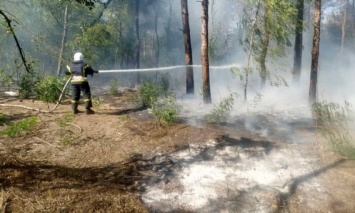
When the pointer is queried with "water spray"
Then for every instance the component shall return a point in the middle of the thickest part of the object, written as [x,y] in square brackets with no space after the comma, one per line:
[165,68]
[116,71]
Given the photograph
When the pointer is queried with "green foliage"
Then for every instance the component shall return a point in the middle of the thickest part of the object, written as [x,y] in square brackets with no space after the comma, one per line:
[95,37]
[97,101]
[23,126]
[164,79]
[114,86]
[148,93]
[221,112]
[166,110]
[63,122]
[160,99]
[68,139]
[49,88]
[256,100]
[331,121]
[27,84]
[4,119]
[6,80]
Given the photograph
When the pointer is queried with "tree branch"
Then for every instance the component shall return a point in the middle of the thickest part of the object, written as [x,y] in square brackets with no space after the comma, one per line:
[8,21]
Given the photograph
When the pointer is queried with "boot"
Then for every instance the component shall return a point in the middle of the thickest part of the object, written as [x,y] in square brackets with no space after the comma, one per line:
[90,111]
[75,108]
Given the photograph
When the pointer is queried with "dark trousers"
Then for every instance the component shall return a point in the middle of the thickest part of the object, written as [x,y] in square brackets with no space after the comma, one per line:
[76,89]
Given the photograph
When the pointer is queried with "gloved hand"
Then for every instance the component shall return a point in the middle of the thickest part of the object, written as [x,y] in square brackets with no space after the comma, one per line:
[96,71]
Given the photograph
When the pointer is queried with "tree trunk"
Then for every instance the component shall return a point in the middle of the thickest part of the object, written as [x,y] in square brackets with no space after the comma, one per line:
[137,40]
[64,38]
[250,50]
[188,49]
[265,46]
[315,53]
[343,28]
[297,58]
[206,90]
[157,51]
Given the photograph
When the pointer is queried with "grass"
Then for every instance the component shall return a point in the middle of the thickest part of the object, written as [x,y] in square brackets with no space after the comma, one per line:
[4,119]
[332,121]
[67,140]
[21,127]
[68,118]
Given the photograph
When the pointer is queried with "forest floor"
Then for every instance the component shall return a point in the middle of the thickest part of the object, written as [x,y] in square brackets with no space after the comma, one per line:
[121,160]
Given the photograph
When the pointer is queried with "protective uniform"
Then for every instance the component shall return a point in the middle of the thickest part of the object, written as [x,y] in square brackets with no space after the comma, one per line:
[80,70]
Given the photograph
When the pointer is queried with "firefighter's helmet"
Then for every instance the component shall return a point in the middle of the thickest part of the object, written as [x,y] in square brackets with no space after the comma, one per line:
[78,56]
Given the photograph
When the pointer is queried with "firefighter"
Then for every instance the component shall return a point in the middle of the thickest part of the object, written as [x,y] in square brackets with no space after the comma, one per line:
[80,70]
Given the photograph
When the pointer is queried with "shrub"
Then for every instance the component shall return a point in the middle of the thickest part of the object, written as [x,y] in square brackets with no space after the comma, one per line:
[148,93]
[27,84]
[49,88]
[114,86]
[221,112]
[331,121]
[16,129]
[6,80]
[166,110]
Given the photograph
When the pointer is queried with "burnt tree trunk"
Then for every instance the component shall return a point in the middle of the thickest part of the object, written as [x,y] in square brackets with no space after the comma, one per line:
[64,38]
[265,46]
[188,49]
[315,53]
[297,57]
[138,45]
[206,90]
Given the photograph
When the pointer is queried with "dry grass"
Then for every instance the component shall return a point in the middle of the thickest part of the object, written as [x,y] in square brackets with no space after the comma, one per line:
[3,201]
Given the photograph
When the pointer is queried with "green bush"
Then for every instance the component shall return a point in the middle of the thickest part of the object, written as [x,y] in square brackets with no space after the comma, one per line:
[166,109]
[16,129]
[49,88]
[27,84]
[6,80]
[114,86]
[148,93]
[221,112]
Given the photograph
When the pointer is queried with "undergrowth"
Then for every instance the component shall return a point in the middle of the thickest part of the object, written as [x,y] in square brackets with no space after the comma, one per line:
[18,128]
[49,88]
[4,119]
[160,99]
[221,112]
[66,120]
[331,121]
[114,86]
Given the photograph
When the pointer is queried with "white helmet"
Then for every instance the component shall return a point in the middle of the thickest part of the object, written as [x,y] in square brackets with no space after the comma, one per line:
[78,56]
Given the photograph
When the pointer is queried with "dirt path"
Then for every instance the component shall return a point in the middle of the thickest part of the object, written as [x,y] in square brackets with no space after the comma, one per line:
[121,160]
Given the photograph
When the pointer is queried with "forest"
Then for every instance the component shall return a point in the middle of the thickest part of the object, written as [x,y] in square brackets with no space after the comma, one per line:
[200,106]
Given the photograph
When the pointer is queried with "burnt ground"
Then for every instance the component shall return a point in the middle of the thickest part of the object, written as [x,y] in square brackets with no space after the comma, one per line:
[106,161]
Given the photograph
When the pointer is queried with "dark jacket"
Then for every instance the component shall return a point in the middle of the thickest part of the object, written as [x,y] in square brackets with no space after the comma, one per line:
[80,70]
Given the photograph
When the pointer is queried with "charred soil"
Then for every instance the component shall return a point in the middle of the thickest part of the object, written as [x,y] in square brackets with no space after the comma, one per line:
[103,162]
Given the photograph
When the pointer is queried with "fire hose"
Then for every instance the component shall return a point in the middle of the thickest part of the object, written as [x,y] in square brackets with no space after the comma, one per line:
[39,110]
[115,71]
